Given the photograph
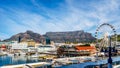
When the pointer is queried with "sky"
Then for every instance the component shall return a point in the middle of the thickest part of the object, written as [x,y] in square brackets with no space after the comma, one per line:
[43,16]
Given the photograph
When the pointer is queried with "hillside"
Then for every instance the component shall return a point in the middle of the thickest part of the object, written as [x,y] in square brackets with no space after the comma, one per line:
[26,36]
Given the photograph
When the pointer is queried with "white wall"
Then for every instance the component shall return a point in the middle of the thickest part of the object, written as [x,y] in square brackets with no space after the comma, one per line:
[19,45]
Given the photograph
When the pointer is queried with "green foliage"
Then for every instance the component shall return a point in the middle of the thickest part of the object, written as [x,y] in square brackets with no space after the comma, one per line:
[87,44]
[118,38]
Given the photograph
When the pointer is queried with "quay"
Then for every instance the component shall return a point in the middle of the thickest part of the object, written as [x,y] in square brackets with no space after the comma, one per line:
[30,65]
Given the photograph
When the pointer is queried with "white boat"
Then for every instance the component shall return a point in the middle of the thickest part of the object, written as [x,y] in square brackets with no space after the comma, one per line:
[10,54]
[3,53]
[35,55]
[56,64]
[22,53]
[50,49]
[116,66]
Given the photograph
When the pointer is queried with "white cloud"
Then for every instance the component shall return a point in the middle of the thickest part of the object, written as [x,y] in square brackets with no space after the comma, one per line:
[3,36]
[66,17]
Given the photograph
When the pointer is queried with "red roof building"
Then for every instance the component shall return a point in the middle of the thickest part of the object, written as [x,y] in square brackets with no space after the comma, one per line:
[90,49]
[3,47]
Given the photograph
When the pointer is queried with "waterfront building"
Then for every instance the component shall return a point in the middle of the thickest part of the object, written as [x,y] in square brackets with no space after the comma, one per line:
[72,50]
[86,50]
[32,49]
[30,42]
[21,45]
[3,47]
[67,51]
[5,43]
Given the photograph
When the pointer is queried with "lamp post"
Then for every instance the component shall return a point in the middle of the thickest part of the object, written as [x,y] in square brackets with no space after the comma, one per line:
[109,53]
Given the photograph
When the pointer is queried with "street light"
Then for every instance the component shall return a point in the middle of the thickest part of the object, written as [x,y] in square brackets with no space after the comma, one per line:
[109,54]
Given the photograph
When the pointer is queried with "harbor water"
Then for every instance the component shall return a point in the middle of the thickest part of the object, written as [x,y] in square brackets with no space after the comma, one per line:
[12,60]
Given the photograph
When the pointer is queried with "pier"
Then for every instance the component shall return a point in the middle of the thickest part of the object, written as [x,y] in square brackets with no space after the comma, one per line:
[30,65]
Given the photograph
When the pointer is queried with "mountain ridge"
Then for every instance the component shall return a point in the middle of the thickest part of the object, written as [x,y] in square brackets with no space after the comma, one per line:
[59,37]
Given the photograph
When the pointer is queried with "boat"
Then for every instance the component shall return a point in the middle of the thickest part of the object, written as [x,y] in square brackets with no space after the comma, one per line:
[56,64]
[47,49]
[3,53]
[10,54]
[35,55]
[22,53]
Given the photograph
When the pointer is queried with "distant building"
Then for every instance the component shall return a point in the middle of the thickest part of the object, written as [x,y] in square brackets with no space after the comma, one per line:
[5,45]
[30,42]
[16,45]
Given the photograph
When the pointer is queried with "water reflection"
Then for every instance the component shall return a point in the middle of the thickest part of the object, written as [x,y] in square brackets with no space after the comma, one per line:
[10,60]
[7,60]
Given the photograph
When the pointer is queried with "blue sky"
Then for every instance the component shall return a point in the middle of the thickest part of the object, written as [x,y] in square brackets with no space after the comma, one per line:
[42,16]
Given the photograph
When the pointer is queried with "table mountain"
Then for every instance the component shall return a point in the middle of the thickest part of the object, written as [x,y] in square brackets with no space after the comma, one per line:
[71,36]
[59,37]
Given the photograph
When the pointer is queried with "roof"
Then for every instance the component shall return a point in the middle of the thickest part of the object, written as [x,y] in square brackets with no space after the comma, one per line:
[85,47]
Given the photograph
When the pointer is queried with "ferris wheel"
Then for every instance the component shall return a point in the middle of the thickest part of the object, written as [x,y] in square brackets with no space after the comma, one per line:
[102,36]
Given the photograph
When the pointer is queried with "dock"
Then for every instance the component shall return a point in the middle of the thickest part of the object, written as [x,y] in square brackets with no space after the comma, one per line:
[29,65]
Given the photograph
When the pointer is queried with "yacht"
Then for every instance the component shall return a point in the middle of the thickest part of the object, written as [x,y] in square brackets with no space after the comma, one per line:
[47,49]
[35,55]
